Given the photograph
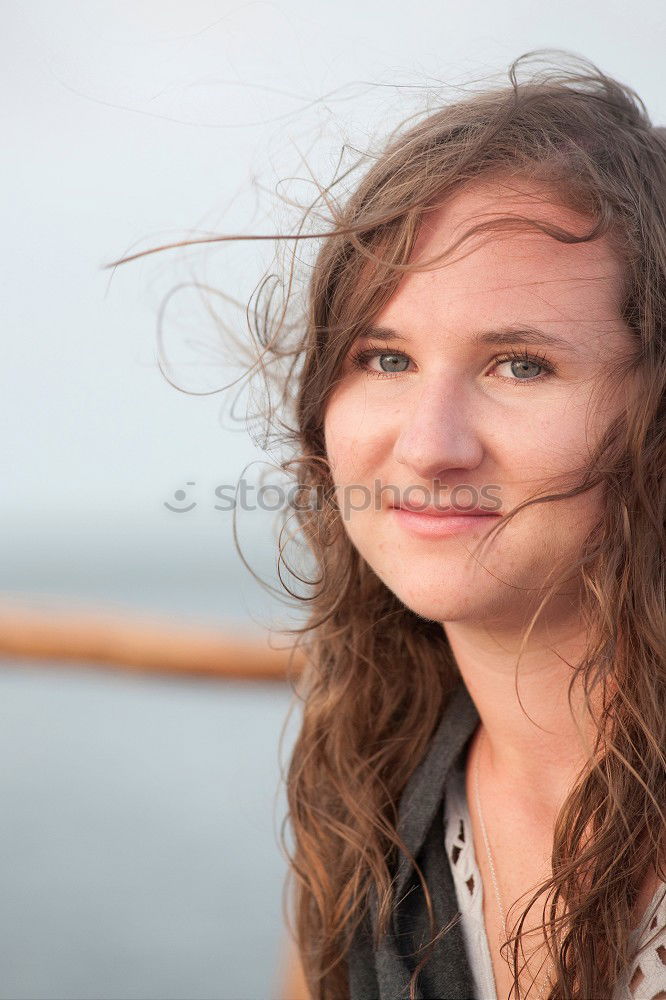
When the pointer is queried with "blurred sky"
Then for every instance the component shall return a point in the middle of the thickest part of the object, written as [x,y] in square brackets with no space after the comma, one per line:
[127,124]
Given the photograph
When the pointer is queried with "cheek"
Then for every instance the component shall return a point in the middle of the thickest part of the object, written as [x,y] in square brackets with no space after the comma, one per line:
[335,435]
[351,458]
[553,446]
[348,450]
[549,537]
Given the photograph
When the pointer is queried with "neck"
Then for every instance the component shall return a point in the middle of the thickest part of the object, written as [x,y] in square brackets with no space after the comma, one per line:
[536,742]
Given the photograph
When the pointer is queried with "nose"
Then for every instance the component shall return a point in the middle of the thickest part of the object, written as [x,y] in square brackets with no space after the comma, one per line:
[439,432]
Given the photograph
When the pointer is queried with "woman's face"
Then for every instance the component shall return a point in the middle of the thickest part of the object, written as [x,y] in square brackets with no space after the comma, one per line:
[442,404]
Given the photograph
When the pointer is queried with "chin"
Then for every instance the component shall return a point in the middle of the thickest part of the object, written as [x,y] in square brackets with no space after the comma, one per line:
[447,602]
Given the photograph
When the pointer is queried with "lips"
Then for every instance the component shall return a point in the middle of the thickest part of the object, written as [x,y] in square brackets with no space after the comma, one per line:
[431,511]
[430,523]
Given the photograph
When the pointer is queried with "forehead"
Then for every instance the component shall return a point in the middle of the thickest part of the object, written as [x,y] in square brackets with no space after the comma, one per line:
[509,269]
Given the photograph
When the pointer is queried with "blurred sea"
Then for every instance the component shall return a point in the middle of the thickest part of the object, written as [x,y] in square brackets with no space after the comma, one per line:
[139,848]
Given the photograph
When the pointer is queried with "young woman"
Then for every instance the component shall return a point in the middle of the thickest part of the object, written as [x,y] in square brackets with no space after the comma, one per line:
[477,793]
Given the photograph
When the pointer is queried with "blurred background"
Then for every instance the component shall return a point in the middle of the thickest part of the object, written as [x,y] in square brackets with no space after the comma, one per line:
[143,693]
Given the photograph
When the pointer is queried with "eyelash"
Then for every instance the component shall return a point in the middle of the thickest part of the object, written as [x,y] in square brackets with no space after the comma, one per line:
[359,361]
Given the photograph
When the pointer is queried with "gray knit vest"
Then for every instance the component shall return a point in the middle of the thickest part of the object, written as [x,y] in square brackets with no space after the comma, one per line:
[384,973]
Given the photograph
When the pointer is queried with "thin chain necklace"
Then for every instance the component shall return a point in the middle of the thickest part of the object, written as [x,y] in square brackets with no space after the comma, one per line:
[491,865]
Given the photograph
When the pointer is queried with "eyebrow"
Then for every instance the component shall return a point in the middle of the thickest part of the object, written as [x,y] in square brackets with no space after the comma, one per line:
[495,338]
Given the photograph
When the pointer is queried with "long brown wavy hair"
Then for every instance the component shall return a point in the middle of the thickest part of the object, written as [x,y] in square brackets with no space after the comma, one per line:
[371,695]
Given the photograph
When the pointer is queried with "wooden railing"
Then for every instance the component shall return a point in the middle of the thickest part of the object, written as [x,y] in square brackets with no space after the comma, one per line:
[145,644]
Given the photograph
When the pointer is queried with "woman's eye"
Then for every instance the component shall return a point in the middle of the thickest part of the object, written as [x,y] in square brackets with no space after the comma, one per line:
[387,362]
[524,367]
[392,362]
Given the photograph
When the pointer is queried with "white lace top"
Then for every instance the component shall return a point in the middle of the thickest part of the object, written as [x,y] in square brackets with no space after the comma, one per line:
[645,979]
